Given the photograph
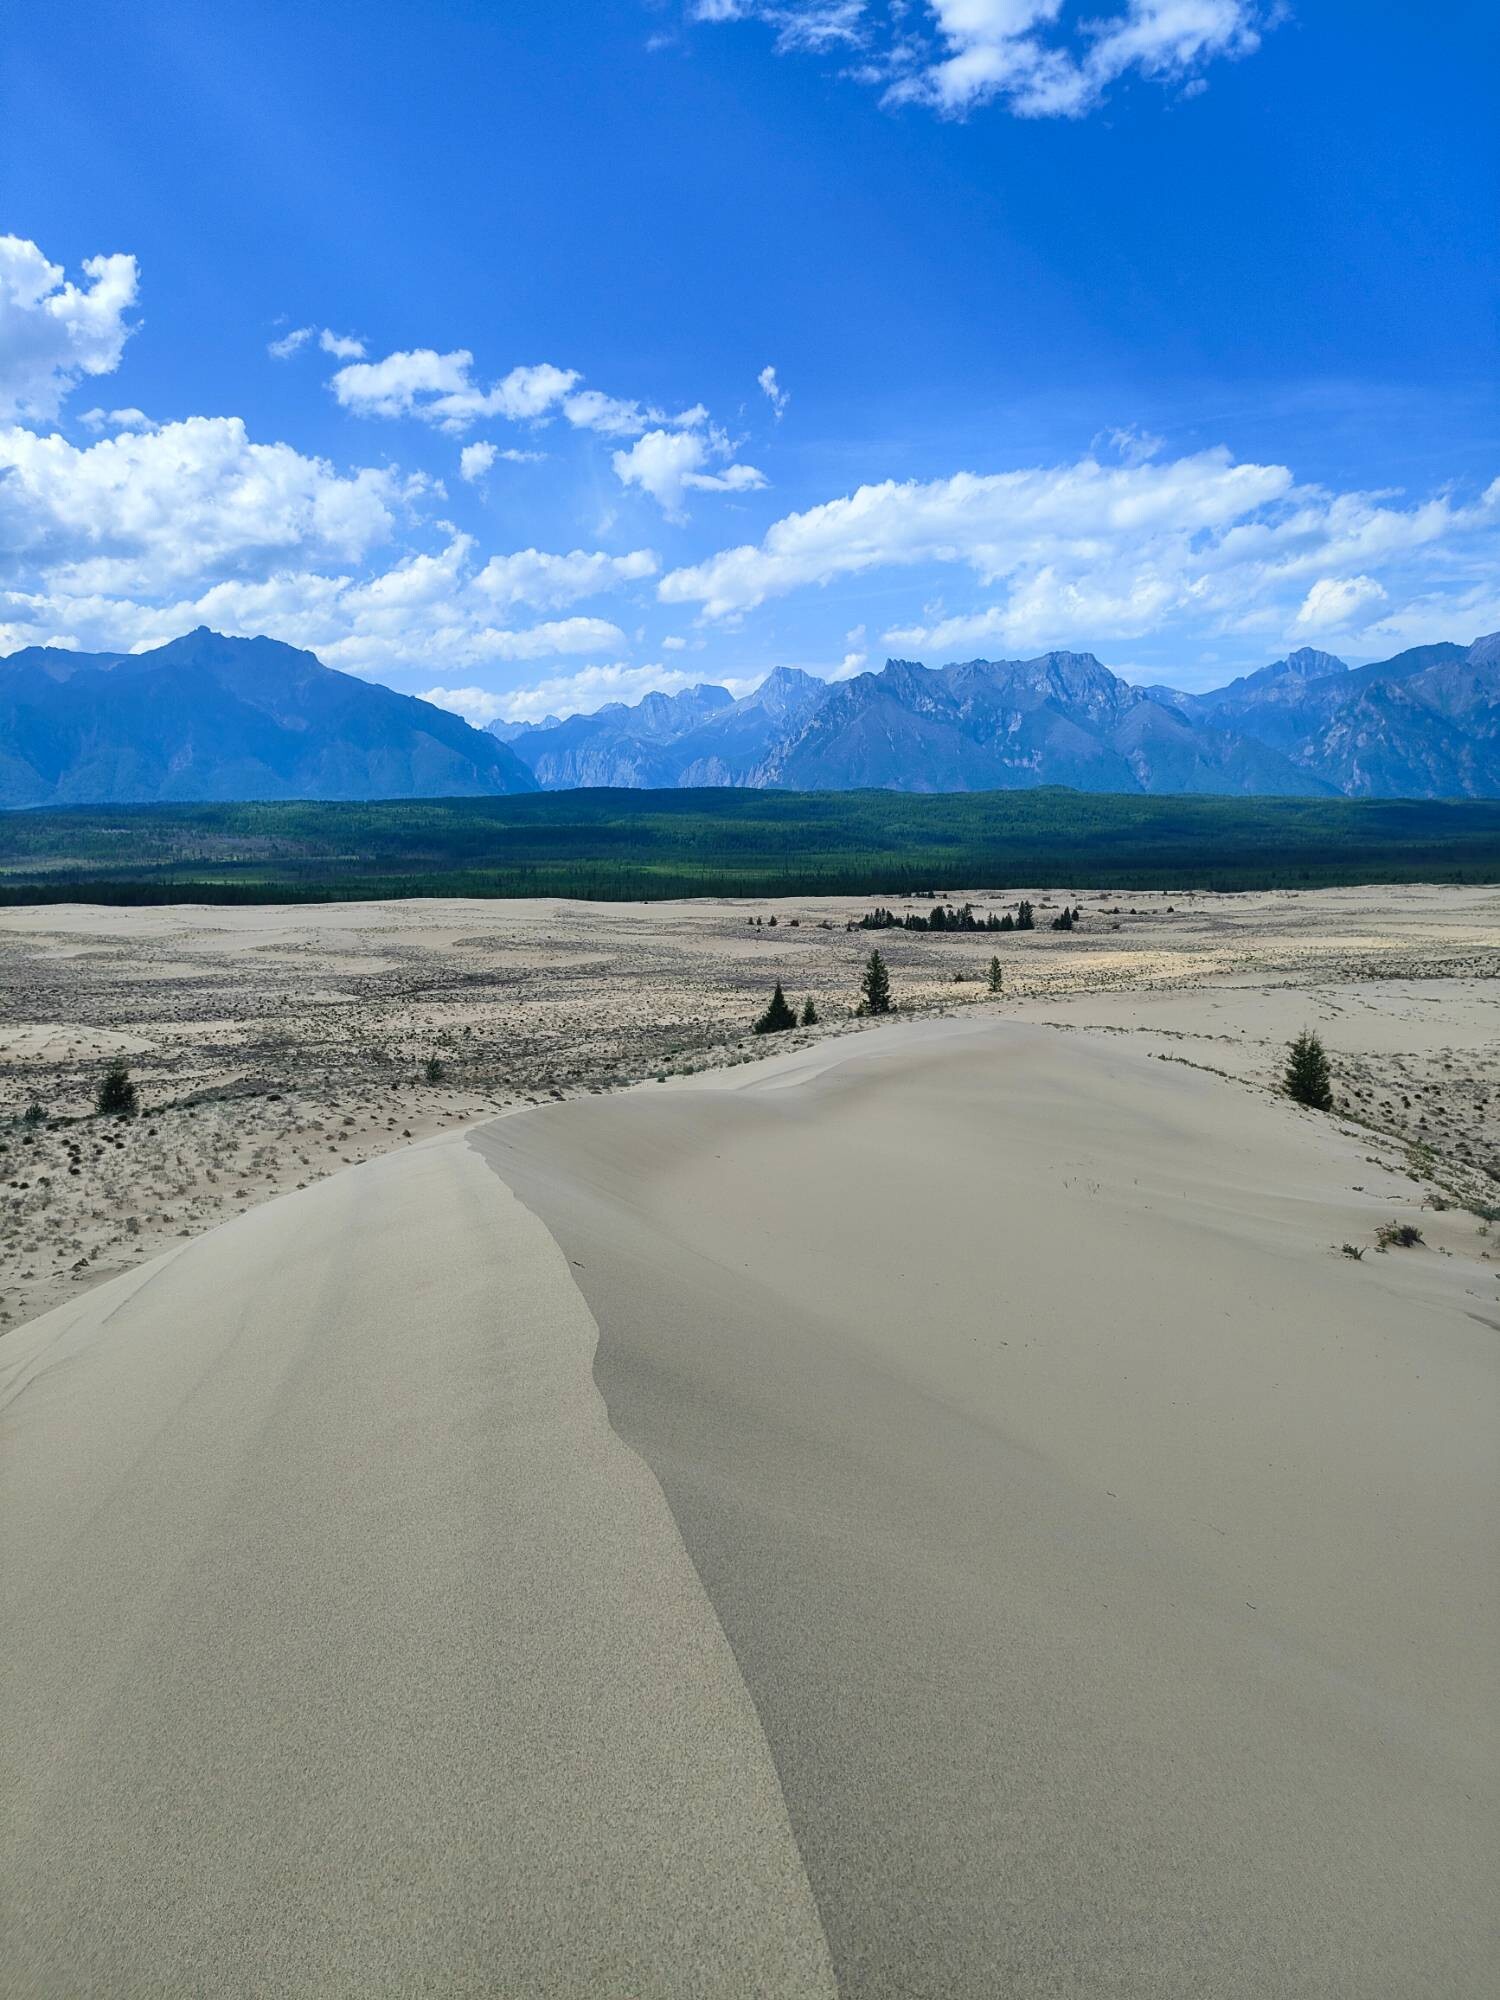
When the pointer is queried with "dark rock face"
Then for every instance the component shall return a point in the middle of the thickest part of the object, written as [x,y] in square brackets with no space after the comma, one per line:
[211,718]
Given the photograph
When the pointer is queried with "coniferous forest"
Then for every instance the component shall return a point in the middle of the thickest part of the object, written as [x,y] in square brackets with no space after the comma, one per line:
[636,845]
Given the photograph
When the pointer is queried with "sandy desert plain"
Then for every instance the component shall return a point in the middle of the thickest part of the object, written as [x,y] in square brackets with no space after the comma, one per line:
[929,1507]
[274,1045]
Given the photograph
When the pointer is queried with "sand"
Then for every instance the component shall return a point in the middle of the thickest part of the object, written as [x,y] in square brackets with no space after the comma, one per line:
[934,1512]
[348,1650]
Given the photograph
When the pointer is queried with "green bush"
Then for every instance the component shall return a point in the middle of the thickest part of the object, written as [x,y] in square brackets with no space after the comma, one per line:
[778,1015]
[117,1096]
[875,986]
[1307,1079]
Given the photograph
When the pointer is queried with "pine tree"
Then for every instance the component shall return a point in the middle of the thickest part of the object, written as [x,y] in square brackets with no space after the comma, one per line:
[1025,916]
[117,1094]
[997,976]
[1307,1078]
[777,1016]
[1065,921]
[876,986]
[809,1013]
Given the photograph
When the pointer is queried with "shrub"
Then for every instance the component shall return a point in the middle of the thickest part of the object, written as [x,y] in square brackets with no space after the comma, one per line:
[34,1114]
[433,1071]
[777,1016]
[1307,1079]
[117,1096]
[1397,1236]
[1352,1250]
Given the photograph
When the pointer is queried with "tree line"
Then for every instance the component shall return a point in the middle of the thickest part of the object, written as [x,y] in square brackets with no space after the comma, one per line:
[947,917]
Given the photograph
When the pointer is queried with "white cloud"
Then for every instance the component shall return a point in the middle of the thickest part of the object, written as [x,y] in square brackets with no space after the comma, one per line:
[342,346]
[475,460]
[1042,58]
[140,513]
[548,582]
[475,704]
[776,395]
[1090,553]
[290,343]
[53,331]
[1336,602]
[674,644]
[116,420]
[589,689]
[666,463]
[440,389]
[591,410]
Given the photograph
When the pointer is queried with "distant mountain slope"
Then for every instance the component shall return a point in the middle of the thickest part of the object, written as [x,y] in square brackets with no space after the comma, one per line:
[702,736]
[208,718]
[1425,724]
[1006,725]
[213,718]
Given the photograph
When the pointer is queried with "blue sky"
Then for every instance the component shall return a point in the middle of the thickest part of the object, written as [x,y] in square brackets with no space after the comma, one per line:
[435,337]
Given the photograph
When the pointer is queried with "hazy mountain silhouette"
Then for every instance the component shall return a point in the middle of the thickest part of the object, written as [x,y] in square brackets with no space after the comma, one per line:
[211,718]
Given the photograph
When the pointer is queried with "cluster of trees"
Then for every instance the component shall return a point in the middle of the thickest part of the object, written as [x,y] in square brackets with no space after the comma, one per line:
[875,998]
[1068,918]
[947,917]
[781,1015]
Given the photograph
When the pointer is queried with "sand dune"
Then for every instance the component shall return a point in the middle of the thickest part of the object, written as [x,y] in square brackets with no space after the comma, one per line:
[1003,1547]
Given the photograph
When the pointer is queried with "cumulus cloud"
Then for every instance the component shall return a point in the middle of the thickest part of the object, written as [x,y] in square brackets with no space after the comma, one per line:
[342,346]
[531,576]
[1094,552]
[141,512]
[671,452]
[773,391]
[1041,58]
[1337,602]
[440,389]
[53,331]
[666,463]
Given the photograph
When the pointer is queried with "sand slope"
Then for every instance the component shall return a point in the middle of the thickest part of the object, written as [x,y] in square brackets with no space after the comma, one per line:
[1111,1563]
[348,1649]
[1020,1556]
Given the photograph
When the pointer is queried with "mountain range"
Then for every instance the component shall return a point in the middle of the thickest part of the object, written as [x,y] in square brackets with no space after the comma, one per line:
[210,718]
[213,719]
[1425,724]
